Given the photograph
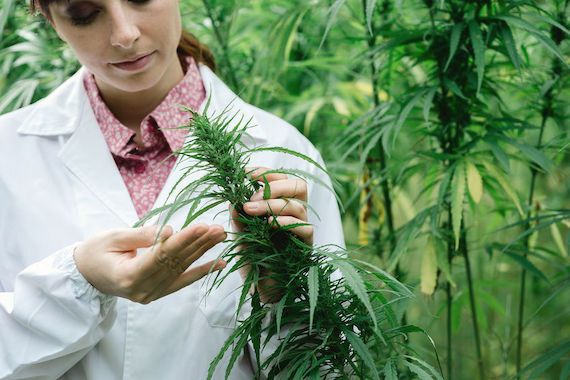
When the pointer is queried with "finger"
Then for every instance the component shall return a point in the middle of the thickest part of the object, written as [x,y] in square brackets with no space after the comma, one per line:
[304,231]
[257,173]
[276,207]
[186,236]
[132,238]
[194,274]
[284,188]
[163,256]
[200,247]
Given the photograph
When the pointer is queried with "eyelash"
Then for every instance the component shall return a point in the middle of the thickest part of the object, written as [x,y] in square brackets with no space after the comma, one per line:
[82,21]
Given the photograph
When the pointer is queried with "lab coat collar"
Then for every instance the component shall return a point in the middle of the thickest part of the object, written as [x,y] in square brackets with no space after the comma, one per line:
[61,112]
[67,112]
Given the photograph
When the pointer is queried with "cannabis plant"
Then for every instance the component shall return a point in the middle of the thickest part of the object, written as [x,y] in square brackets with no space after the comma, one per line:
[332,310]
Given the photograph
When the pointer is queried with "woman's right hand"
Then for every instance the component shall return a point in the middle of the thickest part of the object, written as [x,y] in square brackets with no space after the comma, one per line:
[110,263]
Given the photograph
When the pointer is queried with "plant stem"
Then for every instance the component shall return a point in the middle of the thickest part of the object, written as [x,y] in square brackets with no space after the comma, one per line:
[223,44]
[449,307]
[445,141]
[547,110]
[371,40]
[464,251]
[534,173]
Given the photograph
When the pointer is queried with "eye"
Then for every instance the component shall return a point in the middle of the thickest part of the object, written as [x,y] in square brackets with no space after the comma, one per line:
[82,13]
[86,20]
[140,1]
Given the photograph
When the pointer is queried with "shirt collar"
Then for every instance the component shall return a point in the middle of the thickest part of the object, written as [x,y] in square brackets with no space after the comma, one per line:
[65,108]
[168,115]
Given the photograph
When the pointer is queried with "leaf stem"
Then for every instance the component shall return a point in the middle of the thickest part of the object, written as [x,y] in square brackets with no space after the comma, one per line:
[546,112]
[465,253]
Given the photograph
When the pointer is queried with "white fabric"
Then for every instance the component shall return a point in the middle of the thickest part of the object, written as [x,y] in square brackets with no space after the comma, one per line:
[59,185]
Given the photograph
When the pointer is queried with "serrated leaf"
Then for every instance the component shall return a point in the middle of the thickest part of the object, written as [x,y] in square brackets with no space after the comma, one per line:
[454,40]
[531,152]
[549,21]
[434,373]
[537,33]
[454,88]
[390,372]
[539,365]
[478,45]
[428,103]
[331,17]
[389,138]
[279,314]
[370,6]
[356,284]
[429,269]
[500,155]
[526,264]
[443,262]
[278,149]
[363,352]
[457,198]
[474,182]
[422,374]
[557,237]
[313,284]
[509,42]
[498,176]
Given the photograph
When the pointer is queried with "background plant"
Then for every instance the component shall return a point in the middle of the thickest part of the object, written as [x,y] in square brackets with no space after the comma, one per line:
[466,100]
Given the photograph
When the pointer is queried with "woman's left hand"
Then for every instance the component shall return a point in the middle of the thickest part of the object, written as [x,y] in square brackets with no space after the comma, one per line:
[286,203]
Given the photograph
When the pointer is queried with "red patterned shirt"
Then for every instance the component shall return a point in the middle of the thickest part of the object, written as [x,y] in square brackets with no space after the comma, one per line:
[146,169]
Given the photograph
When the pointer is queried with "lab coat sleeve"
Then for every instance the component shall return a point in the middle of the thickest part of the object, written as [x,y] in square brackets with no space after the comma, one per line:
[51,319]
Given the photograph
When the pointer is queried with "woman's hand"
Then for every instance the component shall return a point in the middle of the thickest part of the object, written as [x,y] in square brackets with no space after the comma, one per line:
[288,197]
[109,261]
[286,204]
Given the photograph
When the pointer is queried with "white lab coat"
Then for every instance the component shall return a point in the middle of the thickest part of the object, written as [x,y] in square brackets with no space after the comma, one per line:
[59,185]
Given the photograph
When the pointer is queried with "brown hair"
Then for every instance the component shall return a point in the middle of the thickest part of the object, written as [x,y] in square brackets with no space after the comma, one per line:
[188,45]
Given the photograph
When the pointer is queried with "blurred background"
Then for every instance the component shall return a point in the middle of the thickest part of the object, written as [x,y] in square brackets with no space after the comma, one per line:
[445,126]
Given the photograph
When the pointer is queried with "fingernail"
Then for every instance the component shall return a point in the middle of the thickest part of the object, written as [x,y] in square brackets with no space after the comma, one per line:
[251,205]
[257,196]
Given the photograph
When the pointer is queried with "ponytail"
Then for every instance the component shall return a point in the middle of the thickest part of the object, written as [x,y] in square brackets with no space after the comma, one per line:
[188,45]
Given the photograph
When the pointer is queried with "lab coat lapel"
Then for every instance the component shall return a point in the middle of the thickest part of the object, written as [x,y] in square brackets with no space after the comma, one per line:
[87,157]
[67,112]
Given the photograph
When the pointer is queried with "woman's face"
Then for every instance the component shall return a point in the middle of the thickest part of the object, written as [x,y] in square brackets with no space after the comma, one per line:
[129,45]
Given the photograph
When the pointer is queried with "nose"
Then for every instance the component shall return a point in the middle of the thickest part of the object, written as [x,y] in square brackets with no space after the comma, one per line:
[124,31]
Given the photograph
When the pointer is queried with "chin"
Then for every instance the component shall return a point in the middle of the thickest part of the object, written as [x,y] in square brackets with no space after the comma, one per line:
[134,83]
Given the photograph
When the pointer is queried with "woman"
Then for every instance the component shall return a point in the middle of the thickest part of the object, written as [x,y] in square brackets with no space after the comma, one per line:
[82,295]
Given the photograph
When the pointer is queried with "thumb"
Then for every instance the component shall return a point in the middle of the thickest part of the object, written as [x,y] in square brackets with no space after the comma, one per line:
[140,237]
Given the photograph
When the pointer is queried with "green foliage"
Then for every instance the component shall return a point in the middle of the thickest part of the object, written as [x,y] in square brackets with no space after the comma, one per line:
[396,94]
[350,309]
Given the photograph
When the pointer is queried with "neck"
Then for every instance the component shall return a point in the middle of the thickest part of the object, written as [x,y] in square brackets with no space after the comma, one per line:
[130,108]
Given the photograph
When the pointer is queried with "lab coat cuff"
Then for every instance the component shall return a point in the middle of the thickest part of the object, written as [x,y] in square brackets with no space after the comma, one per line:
[82,289]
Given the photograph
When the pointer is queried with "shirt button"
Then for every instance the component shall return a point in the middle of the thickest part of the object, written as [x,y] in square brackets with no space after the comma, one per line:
[140,167]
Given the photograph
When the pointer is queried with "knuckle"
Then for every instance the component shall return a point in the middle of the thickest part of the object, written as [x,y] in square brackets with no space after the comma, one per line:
[127,282]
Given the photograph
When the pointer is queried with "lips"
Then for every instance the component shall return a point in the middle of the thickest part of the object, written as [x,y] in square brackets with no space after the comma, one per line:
[134,64]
